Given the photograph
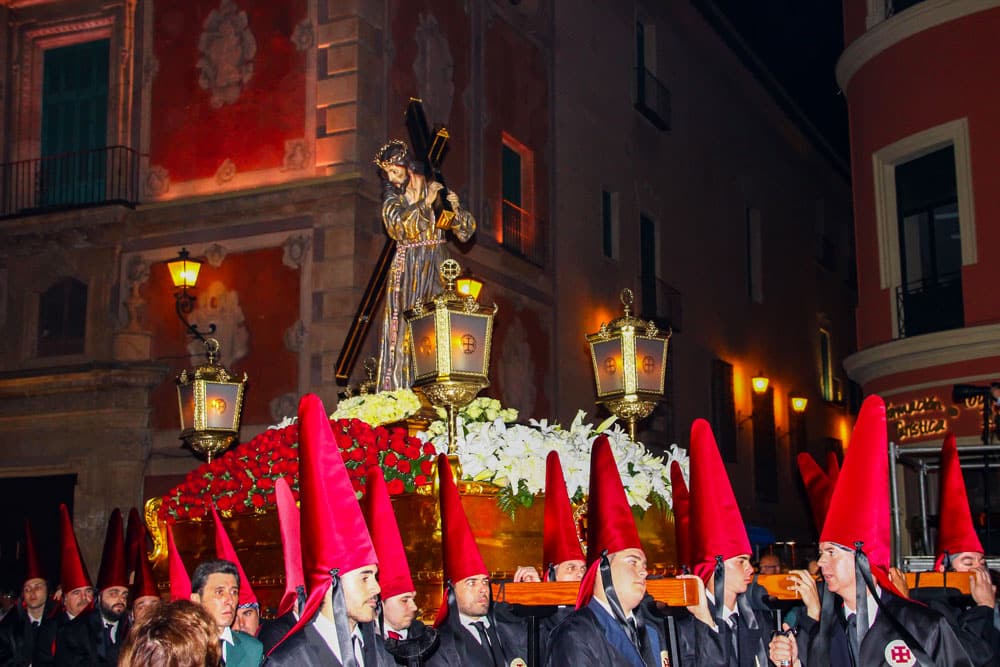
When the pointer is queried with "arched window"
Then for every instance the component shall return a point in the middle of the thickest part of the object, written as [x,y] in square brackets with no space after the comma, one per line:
[62,318]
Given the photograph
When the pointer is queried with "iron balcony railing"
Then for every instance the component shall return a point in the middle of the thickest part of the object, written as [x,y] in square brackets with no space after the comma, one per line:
[523,234]
[107,175]
[652,98]
[926,306]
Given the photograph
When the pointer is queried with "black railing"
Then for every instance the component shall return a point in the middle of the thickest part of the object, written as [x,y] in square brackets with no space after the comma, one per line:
[86,178]
[522,234]
[926,306]
[652,99]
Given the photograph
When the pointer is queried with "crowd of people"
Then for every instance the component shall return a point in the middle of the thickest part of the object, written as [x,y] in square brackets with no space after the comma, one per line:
[349,595]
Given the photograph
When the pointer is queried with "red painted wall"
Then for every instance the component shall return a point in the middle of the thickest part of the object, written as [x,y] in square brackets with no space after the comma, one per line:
[855,15]
[270,306]
[942,74]
[190,138]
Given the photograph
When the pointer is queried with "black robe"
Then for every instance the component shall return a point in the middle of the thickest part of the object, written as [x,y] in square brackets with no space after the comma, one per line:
[458,648]
[274,630]
[591,637]
[702,646]
[307,648]
[84,641]
[20,642]
[925,626]
[974,627]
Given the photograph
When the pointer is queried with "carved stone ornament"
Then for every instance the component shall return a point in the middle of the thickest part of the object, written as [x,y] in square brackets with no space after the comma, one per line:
[150,67]
[215,254]
[295,337]
[157,181]
[304,36]
[297,155]
[295,250]
[282,406]
[226,172]
[227,50]
[434,69]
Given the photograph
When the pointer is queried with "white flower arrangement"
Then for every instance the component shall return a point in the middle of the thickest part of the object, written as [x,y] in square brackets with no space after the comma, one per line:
[492,448]
[381,408]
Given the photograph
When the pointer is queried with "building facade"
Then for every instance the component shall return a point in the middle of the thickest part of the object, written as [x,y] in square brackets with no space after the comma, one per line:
[598,147]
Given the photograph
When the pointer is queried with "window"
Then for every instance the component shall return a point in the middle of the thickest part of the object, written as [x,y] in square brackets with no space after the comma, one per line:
[723,409]
[765,447]
[652,99]
[62,318]
[930,248]
[825,366]
[755,270]
[609,224]
[522,233]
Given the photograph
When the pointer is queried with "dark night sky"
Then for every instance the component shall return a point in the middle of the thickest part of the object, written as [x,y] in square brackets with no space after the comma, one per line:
[799,42]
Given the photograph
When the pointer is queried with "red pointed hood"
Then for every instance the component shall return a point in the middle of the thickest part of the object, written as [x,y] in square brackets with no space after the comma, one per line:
[291,545]
[145,583]
[610,524]
[180,580]
[132,540]
[818,486]
[681,502]
[73,571]
[956,532]
[832,467]
[459,553]
[114,571]
[859,508]
[394,571]
[33,564]
[225,550]
[560,541]
[716,522]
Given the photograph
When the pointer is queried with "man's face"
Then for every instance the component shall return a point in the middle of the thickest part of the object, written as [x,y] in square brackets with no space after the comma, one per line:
[35,592]
[739,573]
[77,600]
[361,591]
[770,564]
[628,574]
[400,610]
[144,606]
[247,620]
[472,595]
[397,174]
[837,566]
[219,597]
[571,570]
[967,561]
[114,602]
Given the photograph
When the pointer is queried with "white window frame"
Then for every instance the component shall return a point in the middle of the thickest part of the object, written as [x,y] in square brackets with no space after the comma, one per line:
[884,162]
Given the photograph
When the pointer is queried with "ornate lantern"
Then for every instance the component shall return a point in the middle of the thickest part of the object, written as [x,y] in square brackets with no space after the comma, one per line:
[450,338]
[211,403]
[630,365]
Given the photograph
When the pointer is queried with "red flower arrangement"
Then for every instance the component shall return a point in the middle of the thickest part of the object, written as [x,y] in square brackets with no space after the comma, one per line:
[242,480]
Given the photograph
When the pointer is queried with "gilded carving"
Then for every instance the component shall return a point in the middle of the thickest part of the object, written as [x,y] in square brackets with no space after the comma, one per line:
[227,50]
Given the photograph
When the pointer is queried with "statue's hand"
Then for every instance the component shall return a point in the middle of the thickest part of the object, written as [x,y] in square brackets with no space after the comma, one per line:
[433,188]
[453,200]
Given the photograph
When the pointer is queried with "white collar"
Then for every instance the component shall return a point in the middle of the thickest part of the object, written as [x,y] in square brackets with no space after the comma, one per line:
[227,636]
[328,631]
[871,603]
[726,611]
[467,621]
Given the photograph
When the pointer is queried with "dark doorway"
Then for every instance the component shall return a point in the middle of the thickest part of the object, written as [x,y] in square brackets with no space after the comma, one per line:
[36,499]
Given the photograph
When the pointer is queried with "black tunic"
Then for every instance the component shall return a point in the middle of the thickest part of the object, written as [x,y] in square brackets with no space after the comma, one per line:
[21,642]
[84,641]
[307,648]
[458,648]
[703,646]
[590,637]
[274,630]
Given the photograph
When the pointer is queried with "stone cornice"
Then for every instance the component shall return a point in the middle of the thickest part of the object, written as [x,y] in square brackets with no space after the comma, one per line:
[898,27]
[926,351]
[73,379]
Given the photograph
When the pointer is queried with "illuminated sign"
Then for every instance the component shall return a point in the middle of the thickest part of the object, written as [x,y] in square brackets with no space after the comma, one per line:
[928,416]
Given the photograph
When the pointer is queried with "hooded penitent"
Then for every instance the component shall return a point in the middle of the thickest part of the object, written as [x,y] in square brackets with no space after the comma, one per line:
[818,487]
[560,541]
[180,580]
[291,548]
[681,503]
[394,571]
[225,550]
[73,573]
[144,583]
[334,537]
[132,541]
[114,571]
[33,564]
[956,532]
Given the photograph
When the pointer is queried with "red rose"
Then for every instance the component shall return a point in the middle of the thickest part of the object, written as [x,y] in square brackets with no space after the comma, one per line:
[265,483]
[429,448]
[395,486]
[390,459]
[421,480]
[412,452]
[398,446]
[356,454]
[258,500]
[427,467]
[403,466]
[225,503]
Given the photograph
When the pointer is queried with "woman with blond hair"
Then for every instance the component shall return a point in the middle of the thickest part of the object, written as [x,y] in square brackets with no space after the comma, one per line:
[178,634]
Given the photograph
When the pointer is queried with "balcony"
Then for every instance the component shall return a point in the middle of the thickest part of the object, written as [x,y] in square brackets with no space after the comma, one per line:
[652,99]
[522,234]
[94,177]
[926,306]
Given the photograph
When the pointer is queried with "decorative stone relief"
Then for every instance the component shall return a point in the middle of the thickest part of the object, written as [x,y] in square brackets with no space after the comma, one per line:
[295,250]
[220,306]
[215,254]
[517,369]
[226,172]
[304,36]
[150,68]
[283,406]
[434,69]
[295,337]
[136,275]
[297,155]
[157,181]
[4,283]
[227,50]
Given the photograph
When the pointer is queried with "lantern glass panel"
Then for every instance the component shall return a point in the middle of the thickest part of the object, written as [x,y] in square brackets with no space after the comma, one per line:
[185,394]
[608,368]
[424,345]
[221,403]
[650,359]
[469,343]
